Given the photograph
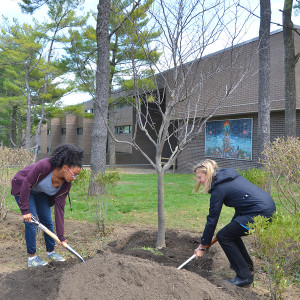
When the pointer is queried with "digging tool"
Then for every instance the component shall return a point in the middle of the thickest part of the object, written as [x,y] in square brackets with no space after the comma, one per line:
[54,236]
[193,256]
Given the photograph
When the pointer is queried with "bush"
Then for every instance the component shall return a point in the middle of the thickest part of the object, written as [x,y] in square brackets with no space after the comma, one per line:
[258,177]
[11,160]
[282,161]
[83,178]
[98,204]
[277,244]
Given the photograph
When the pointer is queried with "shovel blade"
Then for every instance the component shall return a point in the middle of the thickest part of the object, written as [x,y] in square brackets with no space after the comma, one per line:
[74,252]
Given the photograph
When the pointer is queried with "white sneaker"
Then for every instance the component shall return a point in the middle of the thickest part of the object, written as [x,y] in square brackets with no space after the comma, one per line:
[55,257]
[36,262]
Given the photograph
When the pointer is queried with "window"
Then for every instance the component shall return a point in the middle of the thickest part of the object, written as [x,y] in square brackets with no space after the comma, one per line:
[89,111]
[48,131]
[48,150]
[63,131]
[80,130]
[123,129]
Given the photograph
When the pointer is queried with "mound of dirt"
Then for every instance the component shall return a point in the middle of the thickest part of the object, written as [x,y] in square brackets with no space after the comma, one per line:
[112,276]
[213,266]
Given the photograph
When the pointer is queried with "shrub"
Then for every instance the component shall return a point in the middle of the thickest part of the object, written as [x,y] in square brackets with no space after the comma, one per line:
[277,244]
[258,177]
[282,161]
[98,204]
[10,161]
[83,178]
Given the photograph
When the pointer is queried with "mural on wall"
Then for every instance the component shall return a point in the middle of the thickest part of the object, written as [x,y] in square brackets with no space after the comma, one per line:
[229,139]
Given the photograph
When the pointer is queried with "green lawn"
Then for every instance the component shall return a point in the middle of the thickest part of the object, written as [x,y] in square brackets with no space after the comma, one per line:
[134,201]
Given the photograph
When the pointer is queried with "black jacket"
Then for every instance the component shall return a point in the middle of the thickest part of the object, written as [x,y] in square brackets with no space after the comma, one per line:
[233,190]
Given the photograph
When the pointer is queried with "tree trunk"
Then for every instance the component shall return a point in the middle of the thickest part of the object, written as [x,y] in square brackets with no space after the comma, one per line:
[13,131]
[111,143]
[99,133]
[28,113]
[161,238]
[263,133]
[20,130]
[289,69]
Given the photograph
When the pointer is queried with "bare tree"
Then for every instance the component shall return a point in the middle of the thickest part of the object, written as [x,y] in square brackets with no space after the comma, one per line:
[186,88]
[263,131]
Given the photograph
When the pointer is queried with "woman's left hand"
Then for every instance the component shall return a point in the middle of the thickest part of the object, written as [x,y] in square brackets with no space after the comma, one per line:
[63,243]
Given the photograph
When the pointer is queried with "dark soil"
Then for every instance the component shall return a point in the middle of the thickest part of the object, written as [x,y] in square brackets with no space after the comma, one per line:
[124,267]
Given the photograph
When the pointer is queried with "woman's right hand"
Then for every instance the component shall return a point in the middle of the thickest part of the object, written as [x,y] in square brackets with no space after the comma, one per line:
[27,218]
[198,253]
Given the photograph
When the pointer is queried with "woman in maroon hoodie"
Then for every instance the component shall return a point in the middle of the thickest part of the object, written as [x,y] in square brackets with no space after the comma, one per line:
[38,187]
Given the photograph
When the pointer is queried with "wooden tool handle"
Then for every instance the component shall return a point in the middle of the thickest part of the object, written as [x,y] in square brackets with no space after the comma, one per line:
[54,236]
[212,242]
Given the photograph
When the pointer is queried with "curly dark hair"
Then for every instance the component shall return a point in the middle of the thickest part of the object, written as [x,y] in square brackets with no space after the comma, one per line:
[67,155]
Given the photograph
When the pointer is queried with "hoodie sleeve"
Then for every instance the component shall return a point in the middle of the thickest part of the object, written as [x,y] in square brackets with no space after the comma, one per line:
[59,212]
[29,181]
[216,203]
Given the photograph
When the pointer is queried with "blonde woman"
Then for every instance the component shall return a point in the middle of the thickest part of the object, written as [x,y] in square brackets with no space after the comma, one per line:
[228,187]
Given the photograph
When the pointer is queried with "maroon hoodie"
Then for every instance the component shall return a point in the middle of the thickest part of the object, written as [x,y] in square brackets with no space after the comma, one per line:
[27,178]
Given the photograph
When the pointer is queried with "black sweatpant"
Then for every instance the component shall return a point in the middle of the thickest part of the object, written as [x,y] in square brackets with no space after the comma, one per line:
[230,240]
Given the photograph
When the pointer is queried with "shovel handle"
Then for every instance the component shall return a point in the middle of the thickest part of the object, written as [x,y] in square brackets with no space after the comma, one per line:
[45,229]
[193,256]
[54,236]
[212,242]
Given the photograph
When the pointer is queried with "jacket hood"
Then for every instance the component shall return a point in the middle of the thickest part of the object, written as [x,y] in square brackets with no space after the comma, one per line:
[223,175]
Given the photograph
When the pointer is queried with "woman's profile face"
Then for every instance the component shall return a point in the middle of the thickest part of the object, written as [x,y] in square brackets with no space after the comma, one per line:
[201,177]
[71,173]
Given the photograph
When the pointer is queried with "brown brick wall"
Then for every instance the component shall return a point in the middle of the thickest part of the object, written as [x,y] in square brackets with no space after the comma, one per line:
[218,72]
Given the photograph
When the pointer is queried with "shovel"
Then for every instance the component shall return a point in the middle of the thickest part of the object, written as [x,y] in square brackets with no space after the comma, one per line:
[54,236]
[193,256]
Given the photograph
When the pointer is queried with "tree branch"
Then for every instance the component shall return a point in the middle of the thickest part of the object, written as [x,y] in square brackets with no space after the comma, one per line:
[125,19]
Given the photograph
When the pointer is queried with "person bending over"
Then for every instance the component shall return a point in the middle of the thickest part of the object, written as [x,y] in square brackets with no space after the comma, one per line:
[38,187]
[228,187]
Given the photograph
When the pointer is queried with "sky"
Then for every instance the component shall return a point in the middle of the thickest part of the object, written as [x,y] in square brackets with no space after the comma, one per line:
[11,10]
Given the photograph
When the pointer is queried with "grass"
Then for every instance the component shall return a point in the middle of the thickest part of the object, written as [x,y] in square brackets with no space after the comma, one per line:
[134,201]
[152,250]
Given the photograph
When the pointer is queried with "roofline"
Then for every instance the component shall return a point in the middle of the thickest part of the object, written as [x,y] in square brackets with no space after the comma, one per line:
[218,52]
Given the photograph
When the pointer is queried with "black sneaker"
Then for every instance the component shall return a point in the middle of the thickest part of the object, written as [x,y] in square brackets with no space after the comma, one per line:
[241,282]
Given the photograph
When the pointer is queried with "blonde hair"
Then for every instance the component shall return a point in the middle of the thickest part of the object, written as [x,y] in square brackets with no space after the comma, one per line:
[209,167]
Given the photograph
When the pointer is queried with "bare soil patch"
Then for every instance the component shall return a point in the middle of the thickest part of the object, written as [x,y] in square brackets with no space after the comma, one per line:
[121,266]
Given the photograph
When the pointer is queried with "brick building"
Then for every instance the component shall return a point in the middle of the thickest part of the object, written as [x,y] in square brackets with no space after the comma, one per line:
[240,107]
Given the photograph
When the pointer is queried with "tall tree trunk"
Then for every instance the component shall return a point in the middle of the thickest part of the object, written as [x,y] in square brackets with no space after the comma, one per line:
[13,131]
[111,144]
[99,134]
[28,113]
[20,130]
[161,238]
[263,133]
[289,69]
